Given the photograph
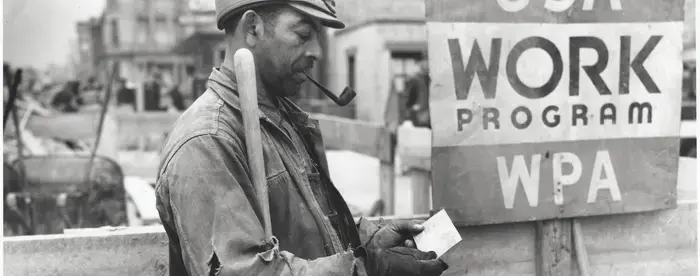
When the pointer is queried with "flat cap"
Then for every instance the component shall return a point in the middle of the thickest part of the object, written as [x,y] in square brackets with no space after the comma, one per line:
[323,10]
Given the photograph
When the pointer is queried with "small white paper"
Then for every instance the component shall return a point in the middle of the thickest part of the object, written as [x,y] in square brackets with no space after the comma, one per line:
[439,234]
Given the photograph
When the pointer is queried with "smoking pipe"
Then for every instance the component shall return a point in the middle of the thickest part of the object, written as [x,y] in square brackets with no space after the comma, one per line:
[345,97]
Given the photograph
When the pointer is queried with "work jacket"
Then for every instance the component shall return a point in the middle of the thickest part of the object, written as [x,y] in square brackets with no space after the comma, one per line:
[210,212]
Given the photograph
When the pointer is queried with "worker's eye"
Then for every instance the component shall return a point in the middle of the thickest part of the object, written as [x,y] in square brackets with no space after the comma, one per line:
[304,35]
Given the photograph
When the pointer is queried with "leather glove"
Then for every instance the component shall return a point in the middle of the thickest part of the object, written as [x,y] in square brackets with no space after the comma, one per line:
[403,261]
[385,255]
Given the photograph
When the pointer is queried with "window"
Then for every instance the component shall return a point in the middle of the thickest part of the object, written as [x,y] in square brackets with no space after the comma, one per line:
[189,70]
[164,6]
[117,66]
[141,6]
[405,63]
[162,35]
[115,32]
[142,30]
[351,70]
[112,4]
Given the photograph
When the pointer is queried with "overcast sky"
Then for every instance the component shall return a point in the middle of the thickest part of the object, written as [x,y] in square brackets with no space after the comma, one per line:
[40,32]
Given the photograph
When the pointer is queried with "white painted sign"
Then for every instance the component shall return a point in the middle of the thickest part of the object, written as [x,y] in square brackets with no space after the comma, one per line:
[554,108]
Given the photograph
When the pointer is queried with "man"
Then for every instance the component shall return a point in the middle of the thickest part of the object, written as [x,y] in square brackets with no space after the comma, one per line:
[186,87]
[152,93]
[205,197]
[66,100]
[417,95]
[125,95]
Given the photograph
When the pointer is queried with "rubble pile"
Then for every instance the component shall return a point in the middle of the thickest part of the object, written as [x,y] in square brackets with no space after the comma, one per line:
[29,108]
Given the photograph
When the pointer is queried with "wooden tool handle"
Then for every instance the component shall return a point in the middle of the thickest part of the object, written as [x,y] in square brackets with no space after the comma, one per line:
[244,68]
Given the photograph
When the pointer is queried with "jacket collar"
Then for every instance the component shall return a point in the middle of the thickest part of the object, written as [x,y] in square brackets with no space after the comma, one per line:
[226,88]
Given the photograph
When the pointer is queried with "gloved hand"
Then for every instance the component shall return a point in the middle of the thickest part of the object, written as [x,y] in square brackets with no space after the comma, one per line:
[390,252]
[403,261]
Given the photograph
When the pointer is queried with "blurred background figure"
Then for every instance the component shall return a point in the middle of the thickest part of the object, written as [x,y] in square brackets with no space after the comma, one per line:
[6,83]
[417,95]
[68,98]
[186,88]
[126,95]
[91,93]
[152,92]
[174,100]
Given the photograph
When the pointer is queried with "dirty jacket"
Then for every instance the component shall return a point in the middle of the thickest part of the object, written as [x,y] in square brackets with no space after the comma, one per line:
[207,203]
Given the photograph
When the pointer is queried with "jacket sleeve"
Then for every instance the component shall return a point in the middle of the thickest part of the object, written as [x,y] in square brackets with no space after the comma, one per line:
[216,216]
[366,229]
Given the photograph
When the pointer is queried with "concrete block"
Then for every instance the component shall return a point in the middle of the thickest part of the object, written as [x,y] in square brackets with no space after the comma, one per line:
[103,253]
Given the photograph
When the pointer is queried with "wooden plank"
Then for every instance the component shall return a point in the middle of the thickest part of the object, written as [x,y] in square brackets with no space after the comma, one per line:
[83,125]
[645,179]
[554,247]
[338,133]
[134,124]
[580,249]
[387,187]
[65,126]
[420,189]
[353,135]
[414,147]
[688,129]
[416,151]
[687,179]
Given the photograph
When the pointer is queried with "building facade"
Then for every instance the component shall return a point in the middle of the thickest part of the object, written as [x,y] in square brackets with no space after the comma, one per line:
[138,36]
[85,48]
[380,47]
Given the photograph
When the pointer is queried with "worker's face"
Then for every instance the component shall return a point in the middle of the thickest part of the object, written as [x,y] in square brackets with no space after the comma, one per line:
[289,47]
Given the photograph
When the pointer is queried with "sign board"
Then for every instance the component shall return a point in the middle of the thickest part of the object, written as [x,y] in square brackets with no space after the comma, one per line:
[554,108]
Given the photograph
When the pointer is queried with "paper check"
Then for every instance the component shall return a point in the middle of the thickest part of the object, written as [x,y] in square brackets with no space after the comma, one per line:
[439,234]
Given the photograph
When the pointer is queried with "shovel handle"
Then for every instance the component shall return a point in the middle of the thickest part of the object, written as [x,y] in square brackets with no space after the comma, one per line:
[244,68]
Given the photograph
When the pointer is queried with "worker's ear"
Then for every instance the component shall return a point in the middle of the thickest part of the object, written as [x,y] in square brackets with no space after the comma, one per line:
[252,27]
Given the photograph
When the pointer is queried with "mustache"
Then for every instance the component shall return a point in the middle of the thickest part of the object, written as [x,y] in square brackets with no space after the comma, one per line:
[304,66]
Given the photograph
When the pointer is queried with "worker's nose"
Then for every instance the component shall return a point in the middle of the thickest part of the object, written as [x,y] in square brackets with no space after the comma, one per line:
[314,49]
